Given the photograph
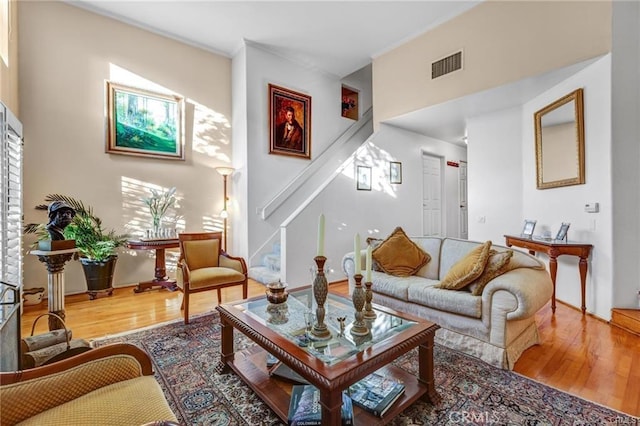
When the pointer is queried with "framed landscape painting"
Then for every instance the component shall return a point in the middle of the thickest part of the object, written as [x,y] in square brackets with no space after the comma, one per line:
[289,122]
[144,123]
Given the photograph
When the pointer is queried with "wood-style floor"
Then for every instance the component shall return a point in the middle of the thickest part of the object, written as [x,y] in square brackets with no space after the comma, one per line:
[578,354]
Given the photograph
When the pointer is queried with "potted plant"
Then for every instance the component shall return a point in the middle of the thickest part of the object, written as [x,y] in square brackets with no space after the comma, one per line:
[96,246]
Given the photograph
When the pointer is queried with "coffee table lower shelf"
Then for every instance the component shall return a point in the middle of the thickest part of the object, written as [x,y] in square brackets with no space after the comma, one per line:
[250,366]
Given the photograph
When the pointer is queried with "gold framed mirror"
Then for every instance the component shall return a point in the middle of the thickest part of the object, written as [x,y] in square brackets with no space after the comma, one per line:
[560,142]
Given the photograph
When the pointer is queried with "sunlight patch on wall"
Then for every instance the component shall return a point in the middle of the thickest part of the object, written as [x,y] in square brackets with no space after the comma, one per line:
[211,130]
[118,74]
[370,155]
[137,217]
[212,224]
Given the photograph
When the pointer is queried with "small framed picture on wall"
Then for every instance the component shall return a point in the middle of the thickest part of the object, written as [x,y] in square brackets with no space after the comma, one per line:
[363,178]
[395,172]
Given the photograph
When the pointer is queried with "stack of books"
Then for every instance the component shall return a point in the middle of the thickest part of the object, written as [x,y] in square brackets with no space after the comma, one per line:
[375,393]
[305,409]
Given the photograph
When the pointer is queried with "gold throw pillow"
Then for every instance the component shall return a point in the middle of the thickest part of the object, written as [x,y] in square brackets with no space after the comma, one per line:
[399,256]
[467,269]
[496,266]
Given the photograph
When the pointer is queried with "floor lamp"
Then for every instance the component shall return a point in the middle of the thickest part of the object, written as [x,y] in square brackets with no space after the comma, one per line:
[224,214]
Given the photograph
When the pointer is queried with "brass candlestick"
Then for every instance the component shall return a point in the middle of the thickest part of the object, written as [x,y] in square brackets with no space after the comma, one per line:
[368,296]
[359,327]
[320,290]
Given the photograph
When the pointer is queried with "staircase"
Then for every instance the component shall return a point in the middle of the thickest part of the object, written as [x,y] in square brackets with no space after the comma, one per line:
[268,270]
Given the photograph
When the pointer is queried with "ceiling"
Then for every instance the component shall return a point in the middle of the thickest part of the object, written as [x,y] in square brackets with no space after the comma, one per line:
[338,37]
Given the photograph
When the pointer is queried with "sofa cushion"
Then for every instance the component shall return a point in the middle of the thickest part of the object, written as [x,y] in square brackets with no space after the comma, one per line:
[130,402]
[496,266]
[399,256]
[457,302]
[430,245]
[397,287]
[466,269]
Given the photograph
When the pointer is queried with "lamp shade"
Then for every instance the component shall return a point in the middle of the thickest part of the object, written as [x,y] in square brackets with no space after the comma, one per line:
[225,171]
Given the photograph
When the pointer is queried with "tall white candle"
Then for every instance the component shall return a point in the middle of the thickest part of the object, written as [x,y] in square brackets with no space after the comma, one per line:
[356,253]
[368,265]
[320,249]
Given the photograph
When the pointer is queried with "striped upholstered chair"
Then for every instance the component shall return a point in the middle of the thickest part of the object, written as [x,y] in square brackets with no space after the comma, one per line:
[107,386]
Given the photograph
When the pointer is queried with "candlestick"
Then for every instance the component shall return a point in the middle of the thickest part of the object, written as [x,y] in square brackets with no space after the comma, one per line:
[359,327]
[368,296]
[320,290]
[368,265]
[321,236]
[356,254]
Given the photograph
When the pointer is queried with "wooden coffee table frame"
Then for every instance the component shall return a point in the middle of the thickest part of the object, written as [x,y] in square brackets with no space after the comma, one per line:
[250,365]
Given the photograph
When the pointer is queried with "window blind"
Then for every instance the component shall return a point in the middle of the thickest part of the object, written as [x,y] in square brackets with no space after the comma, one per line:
[11,151]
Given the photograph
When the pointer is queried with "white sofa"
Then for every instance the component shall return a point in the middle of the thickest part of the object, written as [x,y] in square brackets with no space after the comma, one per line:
[496,326]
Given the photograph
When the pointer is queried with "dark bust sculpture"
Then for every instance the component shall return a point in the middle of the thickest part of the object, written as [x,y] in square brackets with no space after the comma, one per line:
[60,215]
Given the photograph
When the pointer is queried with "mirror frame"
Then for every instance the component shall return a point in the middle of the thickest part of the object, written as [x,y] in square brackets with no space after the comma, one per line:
[575,97]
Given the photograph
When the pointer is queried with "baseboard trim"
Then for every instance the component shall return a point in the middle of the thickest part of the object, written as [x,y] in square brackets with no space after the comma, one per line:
[626,319]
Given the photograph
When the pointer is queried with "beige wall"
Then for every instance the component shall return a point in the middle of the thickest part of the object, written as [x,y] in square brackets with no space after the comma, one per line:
[66,55]
[9,74]
[503,42]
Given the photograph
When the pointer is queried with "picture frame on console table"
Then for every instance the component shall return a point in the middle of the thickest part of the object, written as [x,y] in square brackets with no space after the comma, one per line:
[529,226]
[562,232]
[289,122]
[144,123]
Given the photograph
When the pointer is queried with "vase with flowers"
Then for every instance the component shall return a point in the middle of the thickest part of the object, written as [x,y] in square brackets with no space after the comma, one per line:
[159,203]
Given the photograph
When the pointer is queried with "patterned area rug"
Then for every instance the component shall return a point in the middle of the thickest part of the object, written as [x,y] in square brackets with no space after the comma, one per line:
[185,360]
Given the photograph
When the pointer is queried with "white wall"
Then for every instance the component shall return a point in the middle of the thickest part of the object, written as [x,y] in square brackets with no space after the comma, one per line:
[372,213]
[625,113]
[495,175]
[66,55]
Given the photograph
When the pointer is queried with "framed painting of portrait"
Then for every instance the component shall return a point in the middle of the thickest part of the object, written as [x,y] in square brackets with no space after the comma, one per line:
[144,123]
[289,122]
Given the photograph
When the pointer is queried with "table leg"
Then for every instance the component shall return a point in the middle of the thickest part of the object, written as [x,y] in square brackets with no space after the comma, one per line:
[425,373]
[226,345]
[160,278]
[331,402]
[553,270]
[582,265]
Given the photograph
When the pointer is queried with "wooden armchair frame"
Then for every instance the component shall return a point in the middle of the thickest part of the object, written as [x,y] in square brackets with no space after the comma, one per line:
[237,263]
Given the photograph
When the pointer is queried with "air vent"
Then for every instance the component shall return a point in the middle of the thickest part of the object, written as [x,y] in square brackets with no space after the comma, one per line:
[446,65]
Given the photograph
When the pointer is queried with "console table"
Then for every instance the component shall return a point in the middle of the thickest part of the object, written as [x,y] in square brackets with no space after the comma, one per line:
[160,278]
[553,249]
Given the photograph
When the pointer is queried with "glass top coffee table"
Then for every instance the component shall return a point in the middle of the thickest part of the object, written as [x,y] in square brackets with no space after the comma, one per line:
[330,365]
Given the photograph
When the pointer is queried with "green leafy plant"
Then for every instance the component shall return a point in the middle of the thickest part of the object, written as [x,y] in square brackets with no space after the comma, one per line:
[92,240]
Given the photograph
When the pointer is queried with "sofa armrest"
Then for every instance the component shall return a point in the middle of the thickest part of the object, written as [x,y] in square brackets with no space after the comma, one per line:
[530,288]
[29,392]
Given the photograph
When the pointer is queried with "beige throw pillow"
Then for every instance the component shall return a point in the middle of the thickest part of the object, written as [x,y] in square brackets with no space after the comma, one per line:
[496,266]
[399,256]
[467,269]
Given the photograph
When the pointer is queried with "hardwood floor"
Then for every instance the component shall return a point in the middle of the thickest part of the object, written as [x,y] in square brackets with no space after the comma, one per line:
[579,354]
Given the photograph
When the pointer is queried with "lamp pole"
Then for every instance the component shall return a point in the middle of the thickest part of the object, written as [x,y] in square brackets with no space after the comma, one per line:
[224,171]
[225,214]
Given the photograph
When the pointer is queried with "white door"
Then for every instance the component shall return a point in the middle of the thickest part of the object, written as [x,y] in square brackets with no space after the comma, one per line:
[464,215]
[431,196]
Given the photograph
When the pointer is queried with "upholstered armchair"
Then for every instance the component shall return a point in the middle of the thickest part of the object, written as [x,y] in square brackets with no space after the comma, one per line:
[110,385]
[203,266]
